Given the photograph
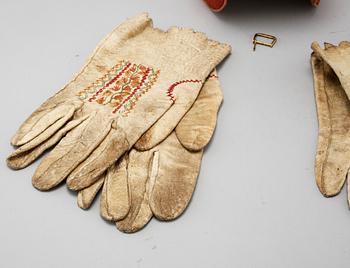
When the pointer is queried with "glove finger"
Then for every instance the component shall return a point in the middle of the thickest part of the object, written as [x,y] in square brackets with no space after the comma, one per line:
[197,126]
[45,122]
[30,151]
[74,148]
[169,120]
[333,151]
[87,172]
[115,193]
[140,213]
[323,115]
[173,178]
[87,195]
[338,58]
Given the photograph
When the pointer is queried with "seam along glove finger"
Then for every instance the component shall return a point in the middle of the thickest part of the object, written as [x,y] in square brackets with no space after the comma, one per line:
[124,88]
[161,180]
[333,109]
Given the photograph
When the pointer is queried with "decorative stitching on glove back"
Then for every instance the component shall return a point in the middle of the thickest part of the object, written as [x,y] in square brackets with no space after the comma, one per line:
[121,87]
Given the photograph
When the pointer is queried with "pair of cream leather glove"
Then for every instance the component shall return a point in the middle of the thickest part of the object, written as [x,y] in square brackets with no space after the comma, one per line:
[132,123]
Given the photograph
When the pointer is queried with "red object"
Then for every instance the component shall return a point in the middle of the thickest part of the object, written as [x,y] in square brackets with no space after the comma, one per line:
[218,5]
[315,2]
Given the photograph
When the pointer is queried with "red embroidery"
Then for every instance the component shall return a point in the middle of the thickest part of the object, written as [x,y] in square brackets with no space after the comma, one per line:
[134,91]
[212,76]
[173,86]
[121,87]
[110,82]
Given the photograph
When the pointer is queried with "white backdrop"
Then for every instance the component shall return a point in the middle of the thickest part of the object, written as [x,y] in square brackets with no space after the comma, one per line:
[256,203]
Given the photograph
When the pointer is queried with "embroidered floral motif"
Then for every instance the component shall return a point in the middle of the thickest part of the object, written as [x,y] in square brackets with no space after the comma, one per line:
[121,87]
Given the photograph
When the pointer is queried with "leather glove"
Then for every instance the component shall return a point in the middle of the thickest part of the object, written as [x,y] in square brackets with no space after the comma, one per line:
[132,78]
[331,69]
[160,181]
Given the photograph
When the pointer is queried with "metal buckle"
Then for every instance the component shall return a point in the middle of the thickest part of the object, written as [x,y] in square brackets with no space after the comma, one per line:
[267,36]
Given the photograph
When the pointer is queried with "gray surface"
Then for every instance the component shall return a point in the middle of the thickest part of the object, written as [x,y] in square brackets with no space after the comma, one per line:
[256,203]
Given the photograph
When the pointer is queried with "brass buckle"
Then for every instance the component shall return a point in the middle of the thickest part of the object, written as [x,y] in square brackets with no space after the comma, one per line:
[266,36]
